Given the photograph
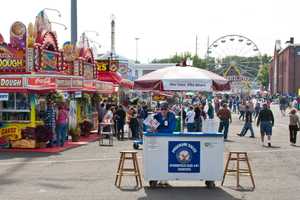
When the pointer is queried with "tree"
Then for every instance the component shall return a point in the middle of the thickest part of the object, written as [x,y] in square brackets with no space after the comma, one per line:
[263,75]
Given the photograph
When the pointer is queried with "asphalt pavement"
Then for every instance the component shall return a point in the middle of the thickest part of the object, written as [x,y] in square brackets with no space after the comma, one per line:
[88,172]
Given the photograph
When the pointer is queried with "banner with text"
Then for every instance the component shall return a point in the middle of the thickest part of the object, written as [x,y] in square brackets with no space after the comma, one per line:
[187,85]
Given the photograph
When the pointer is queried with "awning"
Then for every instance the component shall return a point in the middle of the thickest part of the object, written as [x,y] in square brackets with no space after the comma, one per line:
[115,78]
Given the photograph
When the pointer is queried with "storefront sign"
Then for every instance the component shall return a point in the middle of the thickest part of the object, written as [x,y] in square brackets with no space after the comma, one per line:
[89,85]
[184,157]
[107,66]
[77,83]
[49,61]
[78,94]
[191,85]
[63,83]
[103,86]
[11,82]
[10,133]
[11,60]
[88,71]
[42,82]
[3,96]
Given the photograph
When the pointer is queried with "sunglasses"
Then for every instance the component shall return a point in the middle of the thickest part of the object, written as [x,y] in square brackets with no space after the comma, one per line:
[163,109]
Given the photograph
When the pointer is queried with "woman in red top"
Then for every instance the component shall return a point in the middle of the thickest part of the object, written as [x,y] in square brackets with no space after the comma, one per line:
[61,125]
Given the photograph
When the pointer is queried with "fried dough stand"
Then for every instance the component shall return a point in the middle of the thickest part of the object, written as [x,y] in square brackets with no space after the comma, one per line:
[183,155]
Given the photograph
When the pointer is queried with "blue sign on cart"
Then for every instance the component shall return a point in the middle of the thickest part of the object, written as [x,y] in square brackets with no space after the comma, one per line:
[184,157]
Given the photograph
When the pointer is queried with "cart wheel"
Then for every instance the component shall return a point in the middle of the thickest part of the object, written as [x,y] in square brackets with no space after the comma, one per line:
[210,184]
[153,184]
[135,146]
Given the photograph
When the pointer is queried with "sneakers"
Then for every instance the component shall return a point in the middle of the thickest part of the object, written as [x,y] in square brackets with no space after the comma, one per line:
[269,144]
[239,134]
[252,136]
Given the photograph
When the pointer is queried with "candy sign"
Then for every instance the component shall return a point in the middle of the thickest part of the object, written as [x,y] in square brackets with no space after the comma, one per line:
[11,133]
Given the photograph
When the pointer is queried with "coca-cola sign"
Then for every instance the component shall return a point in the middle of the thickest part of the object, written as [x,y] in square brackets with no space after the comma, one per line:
[41,81]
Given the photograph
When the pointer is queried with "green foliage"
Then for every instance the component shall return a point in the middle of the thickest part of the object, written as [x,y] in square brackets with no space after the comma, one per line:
[197,62]
[263,75]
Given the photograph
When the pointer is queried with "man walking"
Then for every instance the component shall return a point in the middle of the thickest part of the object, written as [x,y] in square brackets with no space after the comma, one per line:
[101,114]
[224,115]
[248,123]
[190,119]
[120,118]
[266,121]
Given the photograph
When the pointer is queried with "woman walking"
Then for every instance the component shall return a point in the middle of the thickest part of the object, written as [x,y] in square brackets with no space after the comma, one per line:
[61,125]
[293,126]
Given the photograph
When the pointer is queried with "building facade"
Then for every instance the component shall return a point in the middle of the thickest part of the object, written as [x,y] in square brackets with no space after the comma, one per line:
[285,70]
[143,69]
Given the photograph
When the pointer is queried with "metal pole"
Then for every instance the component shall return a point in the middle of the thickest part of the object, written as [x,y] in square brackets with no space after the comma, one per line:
[73,22]
[196,52]
[136,49]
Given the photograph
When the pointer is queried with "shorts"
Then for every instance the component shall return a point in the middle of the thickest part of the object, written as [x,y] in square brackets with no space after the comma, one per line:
[266,128]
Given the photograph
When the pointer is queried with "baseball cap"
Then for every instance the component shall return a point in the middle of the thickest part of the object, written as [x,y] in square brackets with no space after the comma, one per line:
[164,106]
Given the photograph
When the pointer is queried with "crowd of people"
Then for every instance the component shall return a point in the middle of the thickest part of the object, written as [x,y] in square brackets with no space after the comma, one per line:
[122,117]
[249,110]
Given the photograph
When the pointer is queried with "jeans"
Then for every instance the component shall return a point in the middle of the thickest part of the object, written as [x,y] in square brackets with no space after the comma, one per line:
[293,133]
[61,132]
[190,127]
[120,129]
[198,125]
[242,115]
[247,126]
[224,124]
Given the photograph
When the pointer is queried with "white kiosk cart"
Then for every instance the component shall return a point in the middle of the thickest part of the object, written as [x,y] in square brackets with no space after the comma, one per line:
[183,156]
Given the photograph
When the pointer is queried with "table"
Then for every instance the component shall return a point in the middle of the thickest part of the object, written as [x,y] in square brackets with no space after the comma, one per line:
[183,156]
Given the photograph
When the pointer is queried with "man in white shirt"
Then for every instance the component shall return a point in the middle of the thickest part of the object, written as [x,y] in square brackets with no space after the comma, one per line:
[190,119]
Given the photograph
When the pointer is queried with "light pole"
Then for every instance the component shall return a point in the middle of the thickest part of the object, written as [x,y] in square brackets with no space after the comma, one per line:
[52,9]
[59,15]
[60,24]
[136,49]
[74,22]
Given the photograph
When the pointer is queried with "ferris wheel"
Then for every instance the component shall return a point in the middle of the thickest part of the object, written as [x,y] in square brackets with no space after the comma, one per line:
[237,51]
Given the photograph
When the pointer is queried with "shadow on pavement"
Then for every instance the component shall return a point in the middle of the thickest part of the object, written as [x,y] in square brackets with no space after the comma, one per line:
[272,147]
[190,193]
[5,177]
[32,155]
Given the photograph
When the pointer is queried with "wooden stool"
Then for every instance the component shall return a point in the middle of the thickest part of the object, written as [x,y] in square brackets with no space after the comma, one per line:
[135,171]
[240,156]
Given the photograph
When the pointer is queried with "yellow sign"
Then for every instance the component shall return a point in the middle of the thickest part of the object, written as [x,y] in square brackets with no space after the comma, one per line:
[11,133]
[158,98]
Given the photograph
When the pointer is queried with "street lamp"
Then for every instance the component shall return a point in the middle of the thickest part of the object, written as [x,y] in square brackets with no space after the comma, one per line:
[60,24]
[136,49]
[52,9]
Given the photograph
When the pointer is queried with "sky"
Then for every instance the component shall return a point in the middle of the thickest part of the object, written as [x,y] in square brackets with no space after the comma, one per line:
[165,27]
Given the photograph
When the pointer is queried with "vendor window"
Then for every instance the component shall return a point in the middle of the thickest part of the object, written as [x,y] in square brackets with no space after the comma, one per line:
[16,108]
